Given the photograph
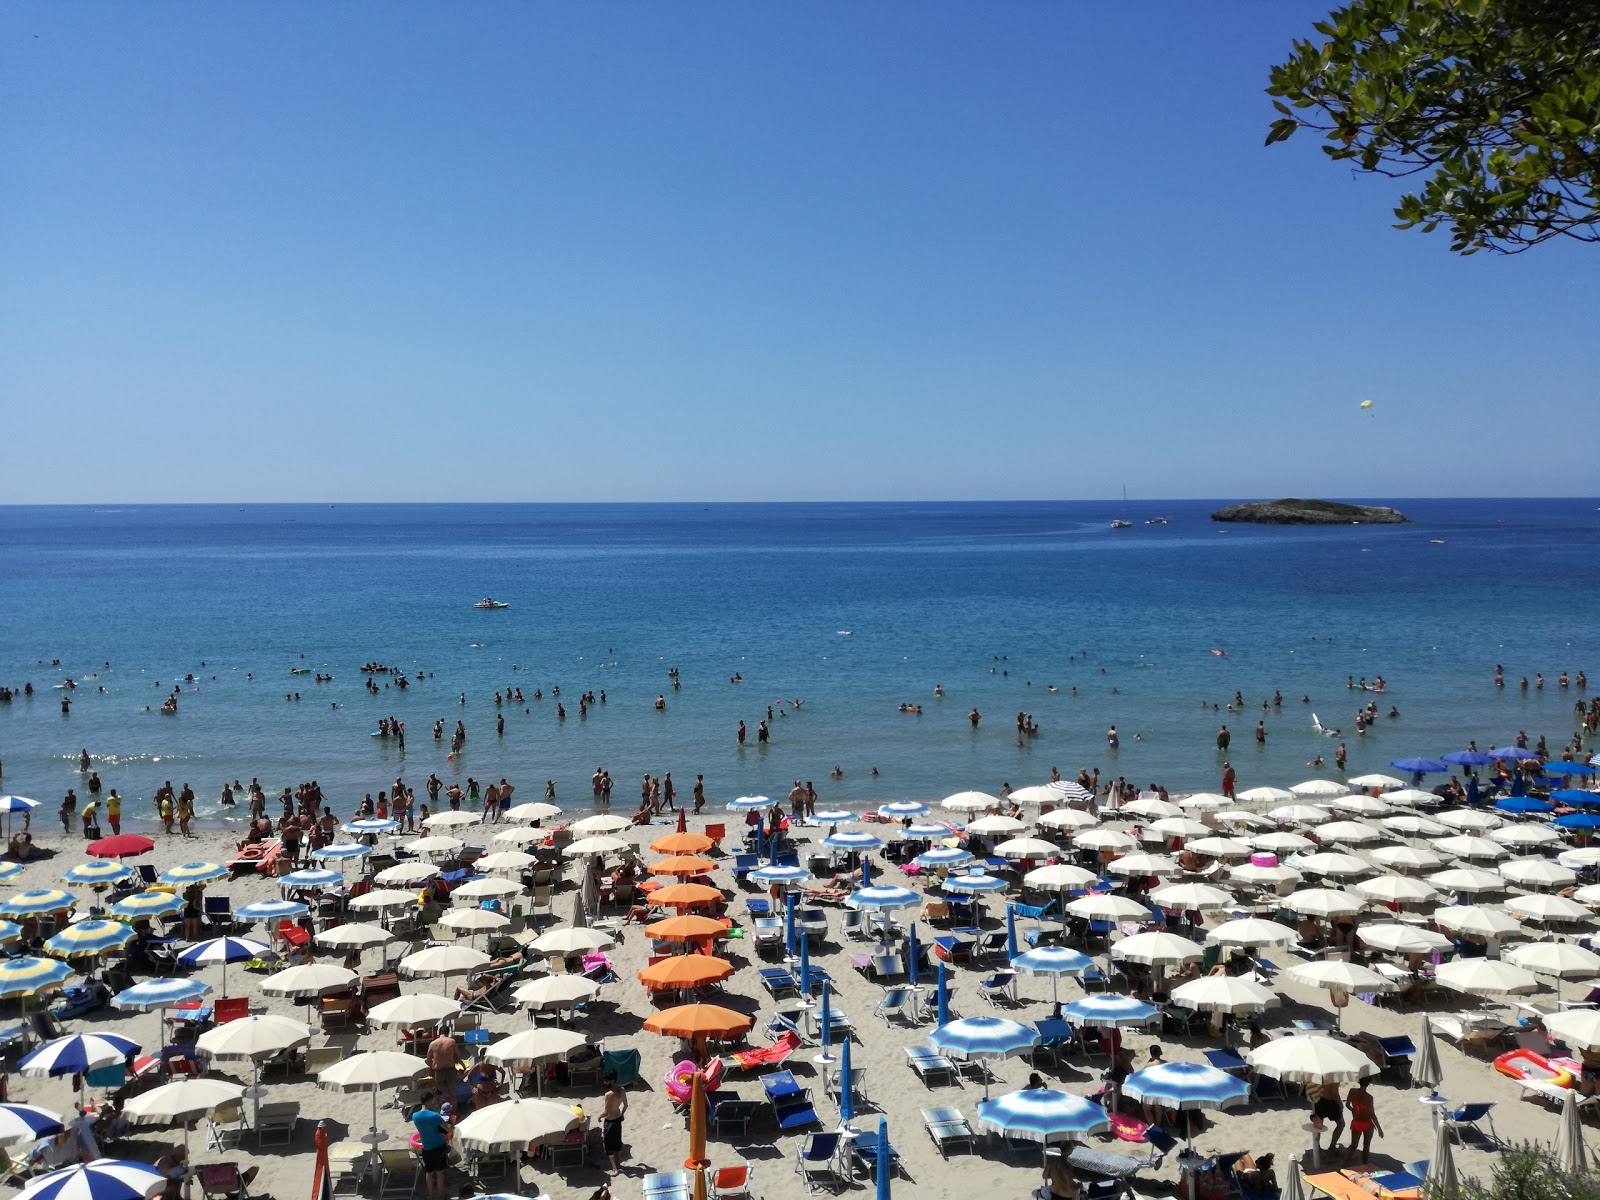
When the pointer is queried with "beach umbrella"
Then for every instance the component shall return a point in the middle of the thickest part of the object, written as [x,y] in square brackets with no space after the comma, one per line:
[696,1023]
[1058,877]
[1563,960]
[1323,902]
[1467,758]
[159,994]
[1108,907]
[686,928]
[1187,1087]
[444,960]
[683,865]
[942,997]
[1250,874]
[943,856]
[92,938]
[564,991]
[1251,931]
[1397,889]
[1485,977]
[1180,827]
[310,879]
[1577,1027]
[40,900]
[983,1040]
[677,843]
[1588,894]
[1205,802]
[533,1046]
[601,823]
[520,837]
[1476,919]
[1282,843]
[1421,766]
[1575,796]
[254,1038]
[1068,819]
[1318,789]
[995,823]
[76,1054]
[1300,814]
[1200,897]
[27,1123]
[1143,864]
[1542,907]
[1538,872]
[383,898]
[747,803]
[970,802]
[1468,879]
[473,920]
[1406,858]
[10,931]
[1042,1115]
[1231,994]
[1339,978]
[924,832]
[907,808]
[790,900]
[354,936]
[535,810]
[571,941]
[102,1179]
[1333,864]
[29,976]
[99,870]
[372,825]
[1105,839]
[782,876]
[1054,961]
[272,910]
[847,1097]
[1411,825]
[1011,931]
[681,972]
[1351,833]
[1522,805]
[1440,1179]
[1571,1153]
[503,860]
[194,872]
[1472,819]
[487,887]
[341,852]
[10,870]
[1381,782]
[1565,768]
[1313,1059]
[1026,848]
[1511,754]
[415,1009]
[120,845]
[975,883]
[514,1124]
[148,904]
[1525,835]
[310,979]
[376,1071]
[1425,1069]
[181,1102]
[913,954]
[1266,795]
[1220,847]
[1405,939]
[437,846]
[1157,949]
[1580,820]
[450,819]
[224,950]
[1108,1010]
[597,844]
[852,841]
[884,898]
[1470,846]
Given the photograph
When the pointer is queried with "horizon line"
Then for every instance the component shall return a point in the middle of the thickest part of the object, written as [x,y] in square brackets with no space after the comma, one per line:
[1392,500]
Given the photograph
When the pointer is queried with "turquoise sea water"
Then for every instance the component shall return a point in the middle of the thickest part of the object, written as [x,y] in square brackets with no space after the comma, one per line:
[610,596]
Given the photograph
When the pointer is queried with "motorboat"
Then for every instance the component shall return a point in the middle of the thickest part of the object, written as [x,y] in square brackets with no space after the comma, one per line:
[1122,524]
[487,602]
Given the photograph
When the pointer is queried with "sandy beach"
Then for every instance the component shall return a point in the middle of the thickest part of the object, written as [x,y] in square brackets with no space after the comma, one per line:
[656,1136]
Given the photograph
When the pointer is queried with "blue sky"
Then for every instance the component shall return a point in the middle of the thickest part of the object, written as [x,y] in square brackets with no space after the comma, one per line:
[511,251]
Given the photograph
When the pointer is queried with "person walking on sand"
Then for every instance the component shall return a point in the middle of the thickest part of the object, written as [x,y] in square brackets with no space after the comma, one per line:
[1363,1118]
[433,1138]
[614,1108]
[1325,1106]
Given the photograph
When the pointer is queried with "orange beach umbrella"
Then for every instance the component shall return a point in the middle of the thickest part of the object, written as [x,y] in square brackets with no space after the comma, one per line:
[685,895]
[682,843]
[699,1021]
[686,928]
[685,971]
[683,864]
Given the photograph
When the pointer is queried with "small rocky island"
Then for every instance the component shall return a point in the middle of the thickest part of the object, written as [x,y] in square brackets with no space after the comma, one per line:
[1309,512]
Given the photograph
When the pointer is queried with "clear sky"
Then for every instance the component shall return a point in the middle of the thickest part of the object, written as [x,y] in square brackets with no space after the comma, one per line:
[598,251]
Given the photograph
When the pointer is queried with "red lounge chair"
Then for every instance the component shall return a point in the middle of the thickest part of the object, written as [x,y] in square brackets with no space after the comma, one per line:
[771,1055]
[230,1008]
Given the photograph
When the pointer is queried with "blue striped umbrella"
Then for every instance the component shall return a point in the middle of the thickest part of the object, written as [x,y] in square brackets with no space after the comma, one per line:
[1043,1115]
[10,931]
[1108,1010]
[1186,1086]
[40,900]
[866,872]
[943,997]
[224,950]
[10,870]
[311,879]
[943,856]
[17,804]
[340,851]
[903,808]
[1054,961]
[831,816]
[789,903]
[827,1018]
[194,872]
[100,870]
[928,832]
[89,937]
[76,1054]
[746,803]
[372,825]
[272,910]
[27,1123]
[102,1179]
[913,954]
[159,993]
[1011,931]
[974,883]
[27,976]
[783,876]
[148,904]
[983,1039]
[884,897]
[852,840]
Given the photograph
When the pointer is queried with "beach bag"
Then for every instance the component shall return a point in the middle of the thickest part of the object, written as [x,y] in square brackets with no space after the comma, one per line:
[92,833]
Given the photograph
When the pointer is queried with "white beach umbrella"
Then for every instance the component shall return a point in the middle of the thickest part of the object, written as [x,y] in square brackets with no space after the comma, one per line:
[1231,994]
[1319,789]
[1157,949]
[255,1037]
[1041,793]
[601,844]
[382,898]
[1181,827]
[1152,807]
[1220,847]
[436,847]
[1543,907]
[1026,848]
[535,810]
[1564,960]
[1476,919]
[1323,902]
[1485,977]
[1300,814]
[994,824]
[1397,889]
[519,836]
[1524,835]
[1068,818]
[1105,839]
[1581,856]
[1243,819]
[1336,976]
[1058,877]
[1468,879]
[373,1071]
[514,1124]
[1407,858]
[1143,864]
[1311,1060]
[1205,802]
[1266,795]
[354,937]
[1589,894]
[474,920]
[1537,873]
[1107,907]
[1364,806]
[1270,877]
[309,979]
[181,1101]
[1352,833]
[488,887]
[444,960]
[970,802]
[405,874]
[1197,896]
[1330,863]
[452,819]
[1577,1027]
[414,1010]
[1282,843]
[1572,1155]
[1471,820]
[1250,932]
[556,991]
[1410,796]
[601,823]
[532,1046]
[1383,783]
[1403,939]
[1412,825]
[571,941]
[503,861]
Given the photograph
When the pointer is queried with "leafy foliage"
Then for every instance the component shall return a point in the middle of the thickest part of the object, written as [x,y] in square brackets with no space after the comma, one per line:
[1495,102]
[1526,1172]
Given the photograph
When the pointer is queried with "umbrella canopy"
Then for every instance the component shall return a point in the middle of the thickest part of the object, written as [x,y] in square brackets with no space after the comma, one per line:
[884,898]
[27,1123]
[309,979]
[372,825]
[974,883]
[981,1039]
[699,1021]
[1397,889]
[1381,782]
[99,870]
[1540,907]
[372,1071]
[1412,825]
[1312,1059]
[272,910]
[1052,960]
[1068,818]
[444,960]
[1282,843]
[181,1101]
[685,928]
[571,941]
[1564,960]
[1339,977]
[1249,873]
[1245,820]
[1470,819]
[436,846]
[1109,1010]
[489,887]
[40,900]
[850,840]
[994,823]
[1425,1069]
[1183,1085]
[1337,865]
[1043,1115]
[746,803]
[1231,994]
[683,865]
[1143,864]
[601,823]
[597,844]
[1468,879]
[1406,858]
[534,1046]
[121,845]
[159,993]
[1485,977]
[194,872]
[1301,814]
[1266,795]
[1200,897]
[1421,766]
[148,904]
[1108,907]
[521,837]
[415,1009]
[1351,833]
[1058,877]
[29,976]
[310,879]
[1403,939]
[91,938]
[474,920]
[10,931]
[1180,827]
[685,895]
[782,876]
[1157,949]
[513,1124]
[354,936]
[254,1037]
[1154,808]
[382,898]
[970,802]
[1026,848]
[1210,802]
[682,971]
[223,950]
[1538,872]
[9,870]
[563,991]
[682,843]
[1578,1027]
[1323,902]
[1105,839]
[925,832]
[76,1054]
[535,810]
[1476,919]
[943,856]
[1525,835]
[1220,847]
[1319,789]
[501,861]
[449,819]
[1251,931]
[899,809]
[102,1179]
[341,851]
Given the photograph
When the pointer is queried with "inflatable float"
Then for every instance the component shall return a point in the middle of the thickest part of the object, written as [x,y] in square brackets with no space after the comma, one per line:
[680,1079]
[1525,1064]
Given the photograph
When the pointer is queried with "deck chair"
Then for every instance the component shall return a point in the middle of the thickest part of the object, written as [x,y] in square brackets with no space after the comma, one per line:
[230,1008]
[1000,989]
[276,1121]
[743,864]
[852,923]
[947,1127]
[818,1159]
[772,1055]
[781,1025]
[929,1065]
[399,1174]
[858,1078]
[225,1127]
[219,911]
[622,1065]
[758,906]
[779,982]
[877,1153]
[1474,1117]
[791,1103]
[767,933]
[222,1180]
[732,1183]
[952,950]
[148,874]
[991,945]
[667,1185]
[320,1058]
[896,1002]
[885,966]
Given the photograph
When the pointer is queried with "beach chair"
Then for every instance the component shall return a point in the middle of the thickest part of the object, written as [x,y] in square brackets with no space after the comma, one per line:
[758,906]
[817,1158]
[230,1008]
[769,1056]
[399,1173]
[1395,1057]
[1000,989]
[947,1127]
[1474,1117]
[839,1024]
[925,1005]
[743,864]
[732,1183]
[853,924]
[732,1114]
[877,1154]
[885,966]
[667,1185]
[858,1078]
[767,932]
[276,1121]
[320,1058]
[225,1127]
[148,874]
[952,950]
[991,945]
[929,1064]
[779,982]
[781,1025]
[219,912]
[223,1181]
[791,1104]
[896,1002]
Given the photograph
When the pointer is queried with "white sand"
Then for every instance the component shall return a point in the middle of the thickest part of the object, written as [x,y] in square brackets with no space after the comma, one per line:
[657,1137]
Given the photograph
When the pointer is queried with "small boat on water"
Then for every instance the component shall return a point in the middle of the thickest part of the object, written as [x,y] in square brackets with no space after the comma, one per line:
[1122,524]
[488,602]
[1156,521]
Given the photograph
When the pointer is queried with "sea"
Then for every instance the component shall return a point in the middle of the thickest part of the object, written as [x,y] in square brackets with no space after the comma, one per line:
[830,616]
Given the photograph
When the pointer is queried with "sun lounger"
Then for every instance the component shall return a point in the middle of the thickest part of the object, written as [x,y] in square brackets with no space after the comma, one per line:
[791,1103]
[930,1065]
[1549,1093]
[768,1056]
[825,896]
[876,1153]
[779,982]
[952,949]
[1474,1117]
[947,1127]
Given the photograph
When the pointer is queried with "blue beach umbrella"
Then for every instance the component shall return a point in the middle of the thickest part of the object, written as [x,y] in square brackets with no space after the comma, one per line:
[10,870]
[1472,789]
[975,883]
[340,851]
[10,931]
[827,1017]
[28,976]
[76,1054]
[943,856]
[1578,821]
[761,844]
[1562,769]
[885,1159]
[155,994]
[311,879]
[831,816]
[100,870]
[913,953]
[983,1039]
[1011,931]
[40,900]
[805,964]
[195,872]
[1420,766]
[1467,758]
[1188,1086]
[943,996]
[1523,804]
[847,1099]
[789,902]
[1054,961]
[884,897]
[224,950]
[1519,784]
[1575,796]
[1043,1115]
[746,803]
[922,832]
[148,904]
[1107,1010]
[866,873]
[89,937]
[27,1123]
[783,876]
[272,910]
[853,840]
[1511,754]
[903,808]
[102,1179]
